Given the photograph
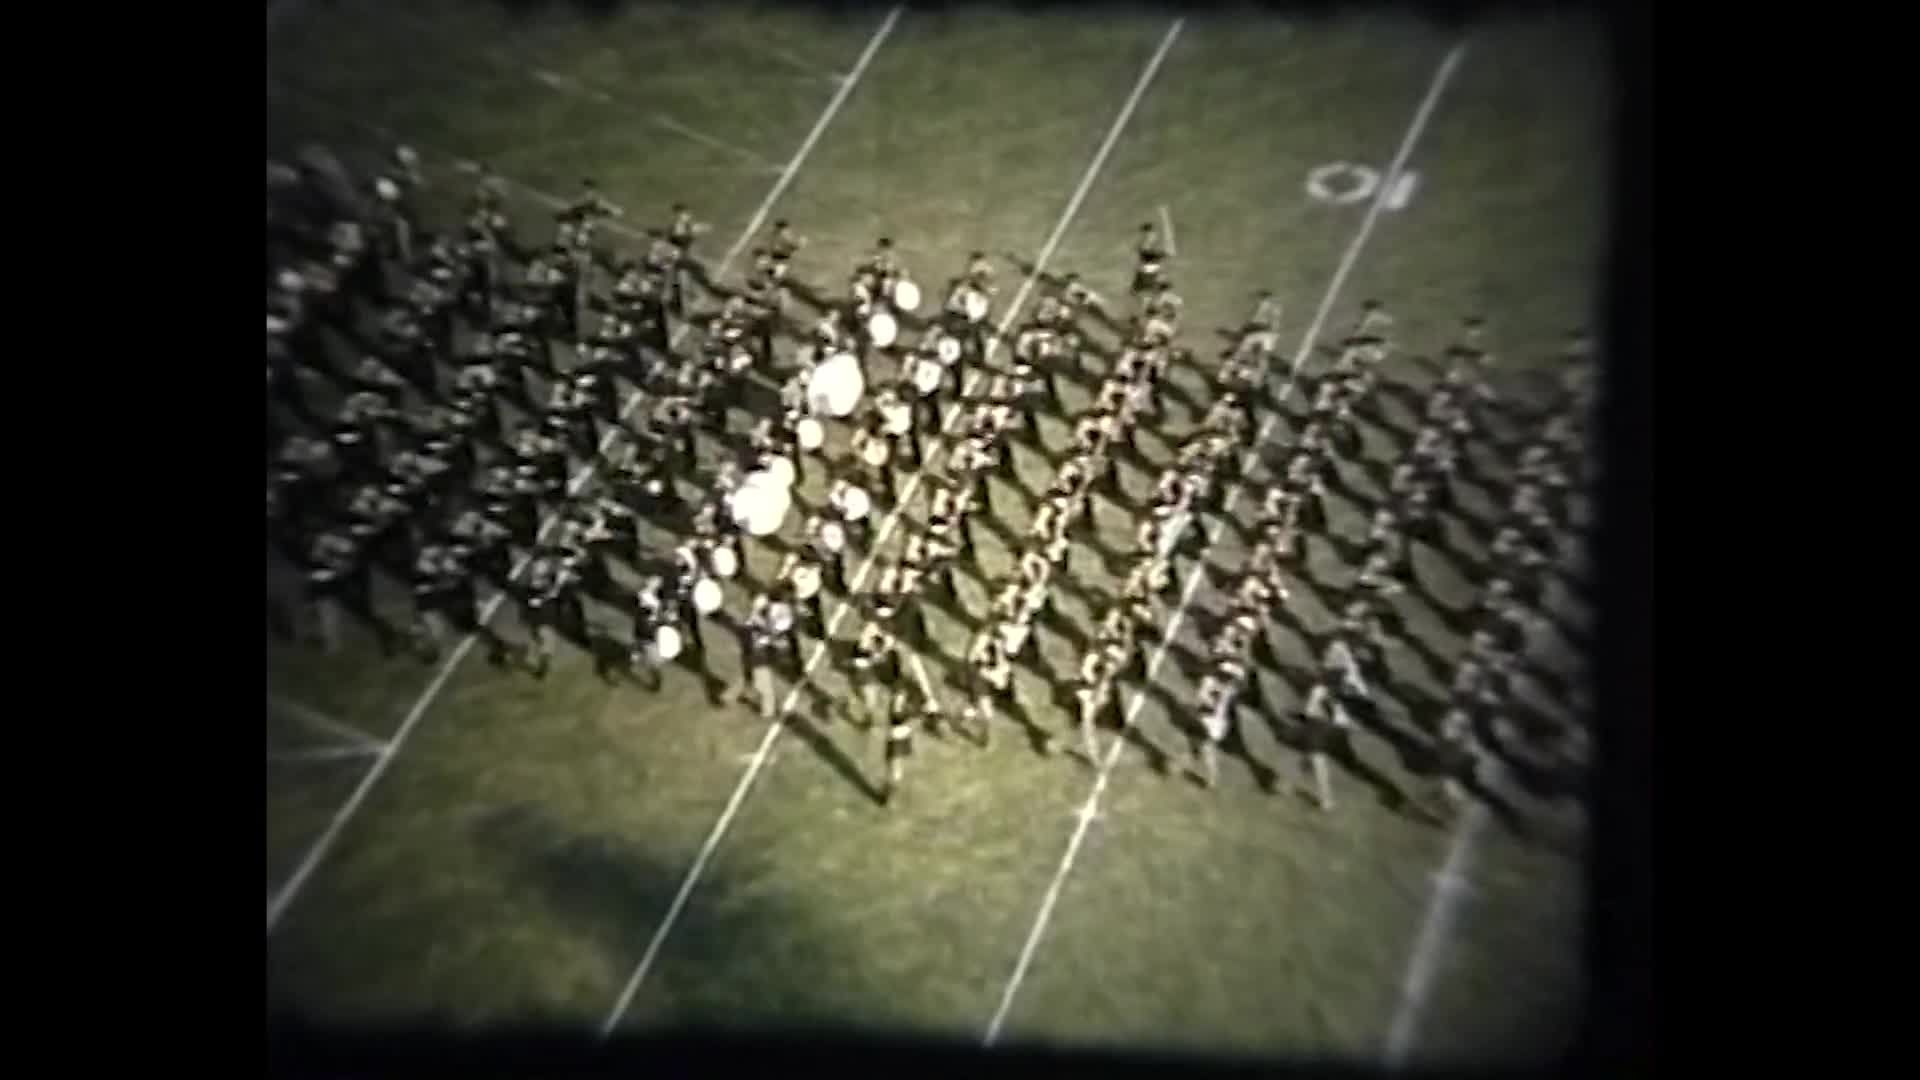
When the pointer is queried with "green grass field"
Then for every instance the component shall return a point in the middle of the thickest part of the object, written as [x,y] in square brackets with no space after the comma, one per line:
[525,846]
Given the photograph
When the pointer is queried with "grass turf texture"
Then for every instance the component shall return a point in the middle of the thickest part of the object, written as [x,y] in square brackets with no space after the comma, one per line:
[517,858]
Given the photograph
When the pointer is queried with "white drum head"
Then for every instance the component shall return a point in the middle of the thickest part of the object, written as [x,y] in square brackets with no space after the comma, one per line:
[810,433]
[948,350]
[666,641]
[974,303]
[780,616]
[882,329]
[832,536]
[761,505]
[927,375]
[706,596]
[874,453]
[836,386]
[854,504]
[906,295]
[725,562]
[779,470]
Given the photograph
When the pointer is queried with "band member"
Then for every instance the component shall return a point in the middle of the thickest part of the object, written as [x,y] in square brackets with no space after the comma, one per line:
[1454,756]
[442,597]
[801,577]
[1266,314]
[827,539]
[851,503]
[337,578]
[904,711]
[872,450]
[545,599]
[769,636]
[1153,256]
[1325,725]
[989,678]
[1095,693]
[1219,689]
[784,243]
[875,668]
[651,615]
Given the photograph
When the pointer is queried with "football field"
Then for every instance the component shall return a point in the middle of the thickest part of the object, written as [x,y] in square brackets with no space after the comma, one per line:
[455,845]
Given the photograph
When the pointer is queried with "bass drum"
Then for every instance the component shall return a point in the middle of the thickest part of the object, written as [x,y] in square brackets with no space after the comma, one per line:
[780,617]
[706,596]
[836,386]
[780,470]
[896,418]
[906,295]
[810,433]
[760,505]
[666,642]
[927,375]
[854,503]
[882,328]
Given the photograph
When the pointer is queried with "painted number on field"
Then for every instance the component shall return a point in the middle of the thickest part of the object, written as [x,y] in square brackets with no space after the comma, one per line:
[1343,183]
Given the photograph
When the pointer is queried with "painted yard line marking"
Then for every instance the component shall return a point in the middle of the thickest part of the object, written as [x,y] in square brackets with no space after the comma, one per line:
[1166,221]
[1052,896]
[317,719]
[678,128]
[553,80]
[1442,910]
[278,904]
[812,71]
[321,753]
[738,798]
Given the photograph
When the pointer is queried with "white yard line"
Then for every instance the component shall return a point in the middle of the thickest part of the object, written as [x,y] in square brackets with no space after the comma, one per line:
[289,891]
[1166,221]
[761,756]
[561,83]
[1091,808]
[678,128]
[321,753]
[1449,887]
[803,67]
[316,719]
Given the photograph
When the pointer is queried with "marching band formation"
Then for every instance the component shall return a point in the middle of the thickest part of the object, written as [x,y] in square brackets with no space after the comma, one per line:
[472,412]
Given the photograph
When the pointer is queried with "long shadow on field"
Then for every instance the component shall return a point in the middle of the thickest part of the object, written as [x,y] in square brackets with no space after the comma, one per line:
[608,889]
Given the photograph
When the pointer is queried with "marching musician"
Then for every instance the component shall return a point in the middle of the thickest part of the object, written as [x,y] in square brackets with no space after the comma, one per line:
[769,636]
[989,679]
[1094,694]
[1219,691]
[875,668]
[1152,257]
[801,576]
[905,709]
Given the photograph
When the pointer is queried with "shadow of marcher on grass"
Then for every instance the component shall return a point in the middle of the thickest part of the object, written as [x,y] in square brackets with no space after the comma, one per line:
[611,891]
[830,752]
